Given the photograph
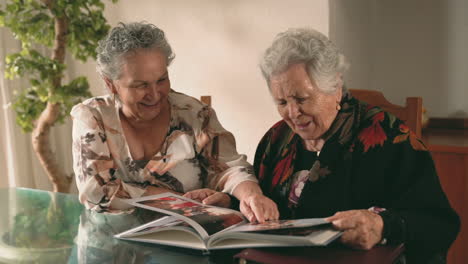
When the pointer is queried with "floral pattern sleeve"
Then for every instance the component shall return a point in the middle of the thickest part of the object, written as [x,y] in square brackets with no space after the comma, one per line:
[225,168]
[222,168]
[94,165]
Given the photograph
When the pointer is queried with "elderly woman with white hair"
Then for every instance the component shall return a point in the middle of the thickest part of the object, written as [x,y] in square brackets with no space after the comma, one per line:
[145,138]
[337,157]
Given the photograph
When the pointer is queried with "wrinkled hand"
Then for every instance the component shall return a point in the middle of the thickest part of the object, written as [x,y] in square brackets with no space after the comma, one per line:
[257,207]
[362,228]
[209,197]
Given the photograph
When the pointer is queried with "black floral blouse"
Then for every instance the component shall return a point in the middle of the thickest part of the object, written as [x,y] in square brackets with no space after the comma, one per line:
[370,158]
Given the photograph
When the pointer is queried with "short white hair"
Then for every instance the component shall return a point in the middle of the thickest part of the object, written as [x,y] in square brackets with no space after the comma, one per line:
[126,38]
[324,63]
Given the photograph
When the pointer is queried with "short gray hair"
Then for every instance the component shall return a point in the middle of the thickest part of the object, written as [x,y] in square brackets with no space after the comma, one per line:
[303,45]
[126,38]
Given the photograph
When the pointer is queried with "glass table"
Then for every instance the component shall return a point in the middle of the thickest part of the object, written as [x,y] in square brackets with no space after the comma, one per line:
[45,227]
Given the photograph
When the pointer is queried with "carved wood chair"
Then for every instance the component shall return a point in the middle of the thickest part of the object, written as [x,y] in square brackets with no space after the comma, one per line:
[411,113]
[206,99]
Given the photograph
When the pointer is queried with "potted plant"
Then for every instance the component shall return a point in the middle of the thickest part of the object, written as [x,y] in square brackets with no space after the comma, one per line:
[59,26]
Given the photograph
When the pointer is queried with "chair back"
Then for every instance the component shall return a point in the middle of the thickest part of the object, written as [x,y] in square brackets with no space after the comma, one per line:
[411,113]
[206,99]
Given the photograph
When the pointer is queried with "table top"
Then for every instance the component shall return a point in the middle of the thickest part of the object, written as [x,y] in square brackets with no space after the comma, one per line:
[45,227]
[334,254]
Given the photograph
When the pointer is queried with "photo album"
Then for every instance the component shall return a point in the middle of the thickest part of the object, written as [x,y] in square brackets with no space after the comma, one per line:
[191,224]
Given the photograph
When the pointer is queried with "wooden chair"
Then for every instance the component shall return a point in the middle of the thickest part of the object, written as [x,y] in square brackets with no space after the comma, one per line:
[206,99]
[411,113]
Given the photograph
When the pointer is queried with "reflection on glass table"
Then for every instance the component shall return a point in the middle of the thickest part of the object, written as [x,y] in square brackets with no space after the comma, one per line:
[44,227]
[37,226]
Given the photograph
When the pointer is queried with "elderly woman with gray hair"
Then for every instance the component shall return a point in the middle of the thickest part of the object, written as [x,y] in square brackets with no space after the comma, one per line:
[334,156]
[145,138]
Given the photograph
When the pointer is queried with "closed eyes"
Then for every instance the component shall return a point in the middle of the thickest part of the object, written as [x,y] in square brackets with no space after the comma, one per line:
[280,102]
[161,80]
[143,85]
[299,100]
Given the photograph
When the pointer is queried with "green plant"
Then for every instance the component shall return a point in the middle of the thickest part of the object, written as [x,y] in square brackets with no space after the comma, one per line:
[58,25]
[45,221]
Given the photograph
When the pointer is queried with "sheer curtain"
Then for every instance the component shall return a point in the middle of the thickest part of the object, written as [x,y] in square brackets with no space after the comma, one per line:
[20,166]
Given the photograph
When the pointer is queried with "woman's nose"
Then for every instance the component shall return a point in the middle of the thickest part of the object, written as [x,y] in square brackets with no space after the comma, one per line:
[293,110]
[153,90]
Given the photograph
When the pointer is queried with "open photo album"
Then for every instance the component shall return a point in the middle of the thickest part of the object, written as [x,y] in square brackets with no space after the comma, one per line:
[191,224]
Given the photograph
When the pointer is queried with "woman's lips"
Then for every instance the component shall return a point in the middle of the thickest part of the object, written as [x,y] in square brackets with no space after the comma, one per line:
[150,105]
[302,126]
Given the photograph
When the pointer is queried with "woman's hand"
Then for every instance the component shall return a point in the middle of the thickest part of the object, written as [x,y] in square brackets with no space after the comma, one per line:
[209,197]
[258,207]
[362,228]
[253,204]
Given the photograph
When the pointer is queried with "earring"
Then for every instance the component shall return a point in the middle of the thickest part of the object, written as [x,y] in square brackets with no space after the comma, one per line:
[338,107]
[116,99]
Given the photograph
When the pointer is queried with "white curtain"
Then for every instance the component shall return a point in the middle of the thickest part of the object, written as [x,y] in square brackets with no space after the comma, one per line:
[19,164]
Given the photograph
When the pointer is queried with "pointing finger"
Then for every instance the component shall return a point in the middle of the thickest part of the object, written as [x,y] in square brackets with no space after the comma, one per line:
[259,212]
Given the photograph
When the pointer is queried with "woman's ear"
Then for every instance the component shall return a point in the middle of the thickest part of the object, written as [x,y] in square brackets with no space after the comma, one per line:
[110,85]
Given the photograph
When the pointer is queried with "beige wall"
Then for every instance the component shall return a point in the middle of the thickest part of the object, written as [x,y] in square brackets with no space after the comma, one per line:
[218,44]
[407,48]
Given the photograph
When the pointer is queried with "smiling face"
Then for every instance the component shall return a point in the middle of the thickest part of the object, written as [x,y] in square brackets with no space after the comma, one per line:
[143,85]
[306,109]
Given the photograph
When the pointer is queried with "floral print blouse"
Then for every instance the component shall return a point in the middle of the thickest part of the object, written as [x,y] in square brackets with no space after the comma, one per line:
[197,153]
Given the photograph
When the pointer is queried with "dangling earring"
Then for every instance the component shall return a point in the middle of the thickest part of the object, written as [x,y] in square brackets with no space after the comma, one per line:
[115,97]
[338,107]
